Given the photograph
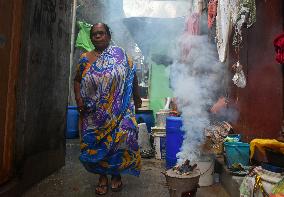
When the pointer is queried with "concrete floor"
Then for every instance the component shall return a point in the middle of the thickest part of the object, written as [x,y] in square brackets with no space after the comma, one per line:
[73,180]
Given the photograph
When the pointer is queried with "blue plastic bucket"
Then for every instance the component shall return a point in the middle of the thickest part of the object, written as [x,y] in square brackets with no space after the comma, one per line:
[174,139]
[237,152]
[146,116]
[72,129]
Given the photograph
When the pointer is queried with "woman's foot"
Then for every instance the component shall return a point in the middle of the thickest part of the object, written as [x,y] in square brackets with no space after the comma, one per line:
[116,183]
[102,187]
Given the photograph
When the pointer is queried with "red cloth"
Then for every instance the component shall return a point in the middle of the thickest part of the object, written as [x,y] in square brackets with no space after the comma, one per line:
[192,24]
[212,12]
[192,28]
[279,48]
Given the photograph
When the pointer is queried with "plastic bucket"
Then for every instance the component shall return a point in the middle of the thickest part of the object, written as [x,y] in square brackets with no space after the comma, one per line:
[174,139]
[145,104]
[146,116]
[161,117]
[160,145]
[72,129]
[206,172]
[237,152]
[158,130]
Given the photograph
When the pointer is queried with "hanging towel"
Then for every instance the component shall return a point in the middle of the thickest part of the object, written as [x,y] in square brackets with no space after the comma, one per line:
[223,28]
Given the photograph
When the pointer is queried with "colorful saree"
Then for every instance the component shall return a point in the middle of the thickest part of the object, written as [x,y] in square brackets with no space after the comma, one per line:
[109,129]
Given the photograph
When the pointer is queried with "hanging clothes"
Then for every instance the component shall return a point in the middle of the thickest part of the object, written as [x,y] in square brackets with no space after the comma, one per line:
[246,15]
[212,12]
[232,14]
[192,28]
[279,48]
[83,40]
[234,9]
[193,24]
[223,28]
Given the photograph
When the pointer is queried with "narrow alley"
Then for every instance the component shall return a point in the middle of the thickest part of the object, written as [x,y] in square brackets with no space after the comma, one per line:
[187,93]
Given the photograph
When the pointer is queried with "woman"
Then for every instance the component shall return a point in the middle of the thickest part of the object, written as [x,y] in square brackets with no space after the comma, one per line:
[103,90]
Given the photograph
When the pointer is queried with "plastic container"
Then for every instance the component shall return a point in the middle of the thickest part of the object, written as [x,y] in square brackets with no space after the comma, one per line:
[145,104]
[146,116]
[158,130]
[160,145]
[237,152]
[161,117]
[174,139]
[72,129]
[206,172]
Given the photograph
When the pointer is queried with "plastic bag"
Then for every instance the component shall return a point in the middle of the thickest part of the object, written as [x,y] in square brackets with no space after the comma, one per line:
[239,78]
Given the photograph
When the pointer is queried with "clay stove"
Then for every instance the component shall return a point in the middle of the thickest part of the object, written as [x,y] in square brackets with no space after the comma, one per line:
[182,181]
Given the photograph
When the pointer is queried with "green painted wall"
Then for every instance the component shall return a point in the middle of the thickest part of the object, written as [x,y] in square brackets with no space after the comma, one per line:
[159,86]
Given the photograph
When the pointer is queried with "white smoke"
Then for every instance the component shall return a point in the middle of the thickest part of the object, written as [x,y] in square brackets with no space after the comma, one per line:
[195,83]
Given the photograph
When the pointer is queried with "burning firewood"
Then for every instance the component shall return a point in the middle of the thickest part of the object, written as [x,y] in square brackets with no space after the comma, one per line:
[185,168]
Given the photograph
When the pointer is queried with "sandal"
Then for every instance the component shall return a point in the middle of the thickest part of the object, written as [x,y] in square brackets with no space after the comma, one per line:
[119,183]
[102,189]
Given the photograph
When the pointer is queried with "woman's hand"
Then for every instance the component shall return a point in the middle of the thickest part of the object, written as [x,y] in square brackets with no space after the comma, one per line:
[80,104]
[78,98]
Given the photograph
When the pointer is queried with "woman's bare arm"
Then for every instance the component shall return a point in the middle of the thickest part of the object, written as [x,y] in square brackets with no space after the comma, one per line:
[78,98]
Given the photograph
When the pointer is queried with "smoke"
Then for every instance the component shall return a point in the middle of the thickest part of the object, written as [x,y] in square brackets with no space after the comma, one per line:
[152,25]
[196,79]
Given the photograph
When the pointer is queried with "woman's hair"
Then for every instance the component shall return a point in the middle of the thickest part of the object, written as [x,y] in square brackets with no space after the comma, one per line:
[105,26]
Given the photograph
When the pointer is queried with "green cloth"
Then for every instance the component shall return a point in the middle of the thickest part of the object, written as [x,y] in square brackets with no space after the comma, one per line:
[159,87]
[279,187]
[83,39]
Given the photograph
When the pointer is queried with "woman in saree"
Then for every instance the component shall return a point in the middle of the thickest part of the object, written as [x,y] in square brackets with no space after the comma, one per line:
[103,89]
